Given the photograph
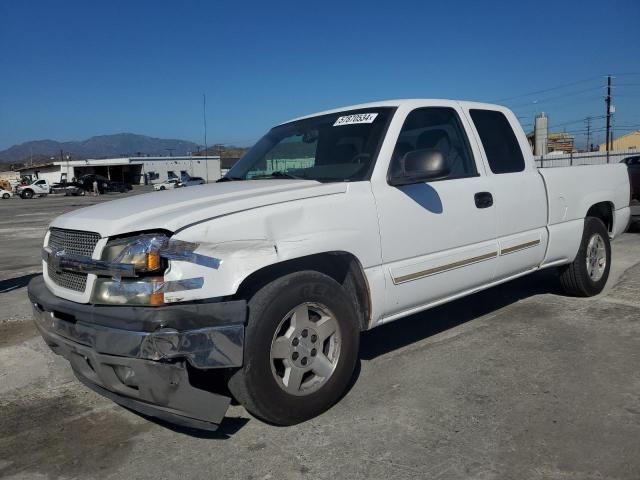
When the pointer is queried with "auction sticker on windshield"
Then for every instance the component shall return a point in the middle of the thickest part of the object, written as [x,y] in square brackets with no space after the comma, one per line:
[356,118]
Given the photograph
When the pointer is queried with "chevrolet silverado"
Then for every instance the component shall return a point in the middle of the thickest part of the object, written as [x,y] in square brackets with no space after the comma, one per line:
[256,288]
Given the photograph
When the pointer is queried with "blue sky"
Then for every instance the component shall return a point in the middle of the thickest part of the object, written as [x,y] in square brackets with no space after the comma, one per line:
[73,69]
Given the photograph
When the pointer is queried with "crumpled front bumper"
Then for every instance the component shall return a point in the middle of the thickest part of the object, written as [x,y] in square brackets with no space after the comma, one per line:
[137,356]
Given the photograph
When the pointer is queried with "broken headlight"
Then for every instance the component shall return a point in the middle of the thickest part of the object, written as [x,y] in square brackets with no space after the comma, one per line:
[142,251]
[145,284]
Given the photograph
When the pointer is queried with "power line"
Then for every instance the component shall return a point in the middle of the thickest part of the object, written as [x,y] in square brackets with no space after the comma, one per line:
[564,85]
[593,117]
[623,74]
[522,110]
[536,102]
[557,87]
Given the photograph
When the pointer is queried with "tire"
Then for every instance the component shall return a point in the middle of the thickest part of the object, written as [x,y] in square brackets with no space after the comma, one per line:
[162,188]
[260,386]
[26,194]
[587,275]
[5,196]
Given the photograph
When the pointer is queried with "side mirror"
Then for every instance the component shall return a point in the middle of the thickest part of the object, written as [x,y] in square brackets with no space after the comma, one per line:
[420,166]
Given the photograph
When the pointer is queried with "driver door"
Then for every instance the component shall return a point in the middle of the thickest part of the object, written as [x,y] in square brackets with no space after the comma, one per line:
[438,237]
[41,187]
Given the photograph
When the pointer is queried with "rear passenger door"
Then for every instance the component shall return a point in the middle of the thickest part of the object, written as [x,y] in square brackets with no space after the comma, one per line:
[519,193]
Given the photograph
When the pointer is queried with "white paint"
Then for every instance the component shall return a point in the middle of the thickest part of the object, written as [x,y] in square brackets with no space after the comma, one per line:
[392,232]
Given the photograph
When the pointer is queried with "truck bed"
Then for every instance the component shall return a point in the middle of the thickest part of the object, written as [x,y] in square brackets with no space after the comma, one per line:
[572,190]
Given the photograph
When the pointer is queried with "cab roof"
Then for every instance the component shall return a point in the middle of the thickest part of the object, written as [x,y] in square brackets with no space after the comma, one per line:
[404,102]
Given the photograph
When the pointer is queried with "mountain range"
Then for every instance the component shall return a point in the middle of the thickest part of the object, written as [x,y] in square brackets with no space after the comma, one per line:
[103,146]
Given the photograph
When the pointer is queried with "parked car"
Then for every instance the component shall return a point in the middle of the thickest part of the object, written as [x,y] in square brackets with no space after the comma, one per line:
[120,187]
[5,194]
[168,184]
[633,165]
[69,188]
[258,286]
[104,184]
[189,181]
[38,188]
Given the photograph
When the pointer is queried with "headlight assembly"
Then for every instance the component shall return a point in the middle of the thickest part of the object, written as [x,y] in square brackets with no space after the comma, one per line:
[147,291]
[131,270]
[142,251]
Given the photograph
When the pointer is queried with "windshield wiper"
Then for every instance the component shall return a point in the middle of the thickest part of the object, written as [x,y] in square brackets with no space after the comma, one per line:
[279,174]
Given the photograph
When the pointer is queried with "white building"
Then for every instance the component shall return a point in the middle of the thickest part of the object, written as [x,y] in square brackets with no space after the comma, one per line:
[133,170]
[10,177]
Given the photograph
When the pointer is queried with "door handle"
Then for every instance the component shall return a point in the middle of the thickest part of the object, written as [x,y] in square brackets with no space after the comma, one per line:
[483,199]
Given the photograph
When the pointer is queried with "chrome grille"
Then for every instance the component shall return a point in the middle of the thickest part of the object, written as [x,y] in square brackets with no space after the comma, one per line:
[70,280]
[73,242]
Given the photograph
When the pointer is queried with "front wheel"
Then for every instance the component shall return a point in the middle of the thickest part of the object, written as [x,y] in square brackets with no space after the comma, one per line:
[301,348]
[5,196]
[588,273]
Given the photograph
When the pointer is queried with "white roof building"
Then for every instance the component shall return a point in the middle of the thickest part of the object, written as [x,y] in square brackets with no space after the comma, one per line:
[133,170]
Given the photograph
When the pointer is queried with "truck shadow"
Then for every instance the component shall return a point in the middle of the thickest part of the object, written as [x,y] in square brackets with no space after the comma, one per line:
[634,226]
[16,282]
[226,429]
[412,329]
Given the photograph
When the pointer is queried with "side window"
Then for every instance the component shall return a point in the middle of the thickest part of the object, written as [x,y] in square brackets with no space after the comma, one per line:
[500,143]
[436,128]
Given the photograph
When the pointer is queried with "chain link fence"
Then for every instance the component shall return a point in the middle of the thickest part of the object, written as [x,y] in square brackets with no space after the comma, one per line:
[587,158]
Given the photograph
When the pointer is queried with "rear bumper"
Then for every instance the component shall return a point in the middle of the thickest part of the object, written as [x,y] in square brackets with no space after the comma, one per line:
[145,369]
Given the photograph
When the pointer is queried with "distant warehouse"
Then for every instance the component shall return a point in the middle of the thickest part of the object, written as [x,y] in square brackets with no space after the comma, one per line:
[133,170]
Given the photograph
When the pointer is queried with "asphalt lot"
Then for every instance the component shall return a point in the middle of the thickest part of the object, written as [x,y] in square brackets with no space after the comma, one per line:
[514,382]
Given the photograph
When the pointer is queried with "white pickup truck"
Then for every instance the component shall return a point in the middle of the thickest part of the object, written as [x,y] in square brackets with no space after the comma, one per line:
[40,188]
[257,287]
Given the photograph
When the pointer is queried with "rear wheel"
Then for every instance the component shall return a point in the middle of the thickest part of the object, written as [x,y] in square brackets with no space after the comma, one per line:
[162,188]
[588,273]
[27,194]
[5,196]
[301,348]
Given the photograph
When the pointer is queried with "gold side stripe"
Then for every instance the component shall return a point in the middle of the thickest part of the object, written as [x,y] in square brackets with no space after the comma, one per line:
[444,268]
[516,248]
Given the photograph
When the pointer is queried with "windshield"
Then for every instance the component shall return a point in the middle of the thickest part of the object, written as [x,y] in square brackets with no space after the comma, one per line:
[329,148]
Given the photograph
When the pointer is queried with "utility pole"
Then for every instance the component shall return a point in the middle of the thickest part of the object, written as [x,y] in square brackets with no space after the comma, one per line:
[65,175]
[204,118]
[608,103]
[588,120]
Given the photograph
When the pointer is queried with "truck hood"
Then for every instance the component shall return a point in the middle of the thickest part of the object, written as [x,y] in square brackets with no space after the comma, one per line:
[174,209]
